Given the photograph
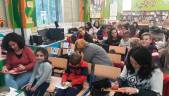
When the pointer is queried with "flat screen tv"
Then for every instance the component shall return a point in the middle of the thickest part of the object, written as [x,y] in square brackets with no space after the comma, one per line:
[55,34]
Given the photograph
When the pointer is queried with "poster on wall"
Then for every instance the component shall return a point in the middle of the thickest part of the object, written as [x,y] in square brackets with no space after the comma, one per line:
[96,8]
[149,5]
[30,13]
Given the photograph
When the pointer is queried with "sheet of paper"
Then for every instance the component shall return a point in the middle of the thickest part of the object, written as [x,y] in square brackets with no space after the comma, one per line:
[60,86]
[12,92]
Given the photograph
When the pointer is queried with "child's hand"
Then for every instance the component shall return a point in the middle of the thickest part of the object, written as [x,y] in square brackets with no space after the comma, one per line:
[128,90]
[13,71]
[63,83]
[33,89]
[28,87]
[5,70]
[68,84]
[21,67]
[115,85]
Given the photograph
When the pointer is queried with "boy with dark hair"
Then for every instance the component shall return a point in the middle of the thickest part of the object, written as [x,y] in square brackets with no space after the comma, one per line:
[74,76]
[147,41]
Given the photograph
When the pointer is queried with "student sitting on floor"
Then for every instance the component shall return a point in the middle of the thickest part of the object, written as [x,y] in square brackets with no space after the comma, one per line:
[74,76]
[20,61]
[40,79]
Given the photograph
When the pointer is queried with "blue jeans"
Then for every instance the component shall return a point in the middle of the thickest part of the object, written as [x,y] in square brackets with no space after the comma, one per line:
[40,91]
[17,81]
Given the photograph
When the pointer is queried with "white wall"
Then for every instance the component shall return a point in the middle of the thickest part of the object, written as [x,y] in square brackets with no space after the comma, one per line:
[71,10]
[127,5]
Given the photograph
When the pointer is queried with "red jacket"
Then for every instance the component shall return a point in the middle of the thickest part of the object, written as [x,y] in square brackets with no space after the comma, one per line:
[166,85]
[27,59]
[76,76]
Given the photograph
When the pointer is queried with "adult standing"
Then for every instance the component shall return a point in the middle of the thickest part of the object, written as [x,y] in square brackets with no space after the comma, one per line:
[19,61]
[92,52]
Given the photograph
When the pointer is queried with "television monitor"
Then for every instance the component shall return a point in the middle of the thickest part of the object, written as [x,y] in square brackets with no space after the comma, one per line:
[37,39]
[43,34]
[55,34]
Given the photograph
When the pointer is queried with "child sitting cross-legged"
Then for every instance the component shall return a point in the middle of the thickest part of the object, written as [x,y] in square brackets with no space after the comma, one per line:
[41,75]
[74,76]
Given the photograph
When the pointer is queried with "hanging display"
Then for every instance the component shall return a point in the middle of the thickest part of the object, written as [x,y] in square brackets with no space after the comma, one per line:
[149,5]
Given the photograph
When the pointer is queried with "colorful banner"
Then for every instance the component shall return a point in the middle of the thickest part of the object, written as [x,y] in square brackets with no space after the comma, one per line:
[13,13]
[96,8]
[101,9]
[21,13]
[150,5]
[28,12]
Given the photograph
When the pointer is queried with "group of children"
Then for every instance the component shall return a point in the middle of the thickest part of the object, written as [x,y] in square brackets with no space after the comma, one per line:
[73,77]
[115,35]
[77,69]
[20,61]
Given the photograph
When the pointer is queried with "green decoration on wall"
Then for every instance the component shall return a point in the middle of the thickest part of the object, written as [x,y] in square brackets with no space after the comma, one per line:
[13,13]
[30,12]
[86,10]
[150,5]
